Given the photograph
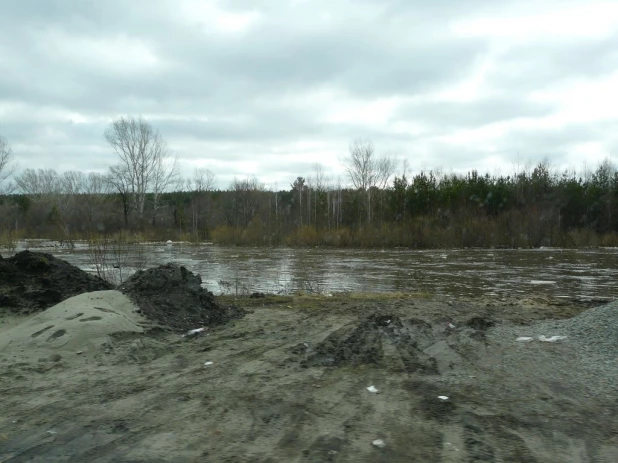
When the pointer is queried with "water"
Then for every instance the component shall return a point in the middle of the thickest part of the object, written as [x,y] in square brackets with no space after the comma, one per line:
[586,273]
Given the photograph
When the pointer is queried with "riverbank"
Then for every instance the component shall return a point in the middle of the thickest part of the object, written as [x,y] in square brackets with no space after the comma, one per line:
[288,382]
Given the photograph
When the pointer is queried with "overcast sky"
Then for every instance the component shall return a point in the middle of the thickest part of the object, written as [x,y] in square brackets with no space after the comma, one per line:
[270,90]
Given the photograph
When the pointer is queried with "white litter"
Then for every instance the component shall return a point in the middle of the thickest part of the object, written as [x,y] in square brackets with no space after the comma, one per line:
[372,389]
[442,397]
[379,443]
[194,332]
[524,339]
[388,321]
[208,363]
[551,339]
[451,326]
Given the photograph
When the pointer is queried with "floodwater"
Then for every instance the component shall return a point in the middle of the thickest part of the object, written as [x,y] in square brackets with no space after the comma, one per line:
[581,273]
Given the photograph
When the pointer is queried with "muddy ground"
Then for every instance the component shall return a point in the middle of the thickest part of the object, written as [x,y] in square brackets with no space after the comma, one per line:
[34,281]
[288,383]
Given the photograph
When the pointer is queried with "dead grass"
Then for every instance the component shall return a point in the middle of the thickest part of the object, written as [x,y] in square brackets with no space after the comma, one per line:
[307,301]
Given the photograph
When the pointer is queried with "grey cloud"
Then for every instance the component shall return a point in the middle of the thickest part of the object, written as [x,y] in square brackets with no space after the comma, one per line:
[449,115]
[368,49]
[367,61]
[555,142]
[539,66]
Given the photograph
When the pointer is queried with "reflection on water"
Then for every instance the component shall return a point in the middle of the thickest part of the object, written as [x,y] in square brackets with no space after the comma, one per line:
[556,272]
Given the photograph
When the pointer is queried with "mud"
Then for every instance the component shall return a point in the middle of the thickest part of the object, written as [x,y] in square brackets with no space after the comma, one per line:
[150,397]
[173,296]
[34,281]
[384,341]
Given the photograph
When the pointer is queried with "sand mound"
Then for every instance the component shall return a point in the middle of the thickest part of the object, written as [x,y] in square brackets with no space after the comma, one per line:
[80,324]
[172,295]
[380,340]
[34,281]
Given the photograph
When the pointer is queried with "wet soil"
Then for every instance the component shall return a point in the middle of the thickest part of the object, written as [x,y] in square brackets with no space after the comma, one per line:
[173,296]
[288,383]
[34,281]
[381,340]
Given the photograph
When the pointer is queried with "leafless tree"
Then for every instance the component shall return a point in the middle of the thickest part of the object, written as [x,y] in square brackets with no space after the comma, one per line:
[165,174]
[203,181]
[319,181]
[39,183]
[95,189]
[119,180]
[145,165]
[7,164]
[367,171]
[300,186]
[245,200]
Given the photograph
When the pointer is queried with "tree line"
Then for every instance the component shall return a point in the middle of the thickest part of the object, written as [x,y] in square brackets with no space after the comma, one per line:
[378,204]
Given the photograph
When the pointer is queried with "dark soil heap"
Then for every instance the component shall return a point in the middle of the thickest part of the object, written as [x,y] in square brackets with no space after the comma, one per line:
[380,340]
[34,281]
[173,296]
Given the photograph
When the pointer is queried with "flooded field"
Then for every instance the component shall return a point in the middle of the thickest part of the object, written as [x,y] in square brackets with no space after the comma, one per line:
[587,273]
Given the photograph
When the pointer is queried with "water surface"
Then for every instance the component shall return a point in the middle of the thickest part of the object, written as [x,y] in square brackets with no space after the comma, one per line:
[583,273]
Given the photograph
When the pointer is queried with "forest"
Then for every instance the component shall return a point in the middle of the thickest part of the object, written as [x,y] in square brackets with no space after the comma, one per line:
[374,206]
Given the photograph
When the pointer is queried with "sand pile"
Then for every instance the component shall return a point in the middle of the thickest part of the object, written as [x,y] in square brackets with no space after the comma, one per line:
[34,281]
[173,296]
[77,326]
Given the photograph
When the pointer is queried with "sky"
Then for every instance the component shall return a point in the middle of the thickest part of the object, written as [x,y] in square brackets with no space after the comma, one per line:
[270,88]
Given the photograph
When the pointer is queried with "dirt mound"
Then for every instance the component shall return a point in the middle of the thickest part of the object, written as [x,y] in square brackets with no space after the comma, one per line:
[34,281]
[172,295]
[381,340]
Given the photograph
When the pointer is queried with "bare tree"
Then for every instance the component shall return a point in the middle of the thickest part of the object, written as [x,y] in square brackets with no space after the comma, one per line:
[299,186]
[7,164]
[165,174]
[203,182]
[245,200]
[366,171]
[319,190]
[41,184]
[119,180]
[144,159]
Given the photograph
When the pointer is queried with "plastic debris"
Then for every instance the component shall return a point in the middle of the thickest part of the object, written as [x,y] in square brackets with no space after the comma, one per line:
[208,363]
[372,389]
[388,322]
[551,339]
[451,326]
[524,339]
[443,397]
[194,332]
[379,443]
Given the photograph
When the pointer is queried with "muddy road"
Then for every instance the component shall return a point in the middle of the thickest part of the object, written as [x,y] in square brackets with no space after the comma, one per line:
[288,383]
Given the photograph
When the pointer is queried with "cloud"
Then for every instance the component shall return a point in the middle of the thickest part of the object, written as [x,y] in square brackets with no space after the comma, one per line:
[270,88]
